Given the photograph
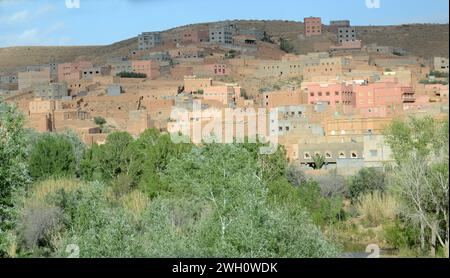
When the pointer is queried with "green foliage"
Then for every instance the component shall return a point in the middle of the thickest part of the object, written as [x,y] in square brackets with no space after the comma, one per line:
[438,74]
[323,210]
[319,161]
[433,82]
[53,155]
[424,136]
[100,121]
[399,235]
[13,169]
[366,181]
[286,46]
[107,161]
[125,74]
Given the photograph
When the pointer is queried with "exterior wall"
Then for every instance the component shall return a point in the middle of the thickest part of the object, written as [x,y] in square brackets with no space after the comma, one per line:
[331,93]
[90,73]
[346,34]
[32,78]
[326,67]
[440,64]
[51,91]
[150,68]
[148,40]
[193,84]
[195,36]
[313,26]
[72,71]
[225,94]
[217,69]
[281,98]
[355,126]
[257,33]
[221,34]
[376,151]
[382,94]
[121,66]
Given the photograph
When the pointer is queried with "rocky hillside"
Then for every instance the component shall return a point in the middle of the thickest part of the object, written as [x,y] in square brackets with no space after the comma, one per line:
[426,40]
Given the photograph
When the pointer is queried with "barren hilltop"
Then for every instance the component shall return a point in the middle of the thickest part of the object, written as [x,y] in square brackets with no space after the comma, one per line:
[425,40]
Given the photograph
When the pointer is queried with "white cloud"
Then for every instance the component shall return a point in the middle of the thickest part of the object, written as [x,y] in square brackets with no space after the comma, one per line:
[17,17]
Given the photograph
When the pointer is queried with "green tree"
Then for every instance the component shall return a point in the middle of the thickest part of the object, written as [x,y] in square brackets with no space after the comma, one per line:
[100,121]
[367,180]
[53,155]
[13,169]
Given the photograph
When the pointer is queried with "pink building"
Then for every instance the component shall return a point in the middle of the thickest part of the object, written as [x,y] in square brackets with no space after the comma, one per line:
[331,93]
[313,26]
[195,36]
[148,67]
[72,71]
[382,94]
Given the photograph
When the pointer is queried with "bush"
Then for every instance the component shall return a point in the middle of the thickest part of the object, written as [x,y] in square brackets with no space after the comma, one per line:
[399,235]
[295,176]
[53,155]
[286,46]
[367,180]
[131,75]
[38,224]
[377,208]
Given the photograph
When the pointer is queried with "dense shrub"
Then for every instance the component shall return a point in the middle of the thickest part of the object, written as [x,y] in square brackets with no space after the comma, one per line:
[53,155]
[367,180]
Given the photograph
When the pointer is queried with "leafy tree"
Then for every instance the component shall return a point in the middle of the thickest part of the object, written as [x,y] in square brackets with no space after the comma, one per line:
[100,121]
[53,155]
[423,136]
[13,169]
[113,158]
[420,178]
[367,180]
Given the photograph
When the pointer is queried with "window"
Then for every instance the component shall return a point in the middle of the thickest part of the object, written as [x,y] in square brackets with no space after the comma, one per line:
[328,94]
[354,155]
[341,155]
[336,93]
[307,156]
[328,155]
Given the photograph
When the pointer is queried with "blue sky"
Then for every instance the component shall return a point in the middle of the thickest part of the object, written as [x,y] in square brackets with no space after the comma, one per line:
[96,22]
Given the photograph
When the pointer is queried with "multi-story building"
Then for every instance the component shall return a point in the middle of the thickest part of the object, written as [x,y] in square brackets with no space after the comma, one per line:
[28,79]
[371,95]
[120,65]
[253,32]
[147,67]
[281,98]
[72,71]
[313,26]
[331,93]
[51,91]
[148,40]
[222,34]
[194,35]
[346,34]
[89,73]
[440,64]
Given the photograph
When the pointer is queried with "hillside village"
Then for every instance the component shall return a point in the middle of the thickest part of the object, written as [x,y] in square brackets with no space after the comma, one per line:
[333,101]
